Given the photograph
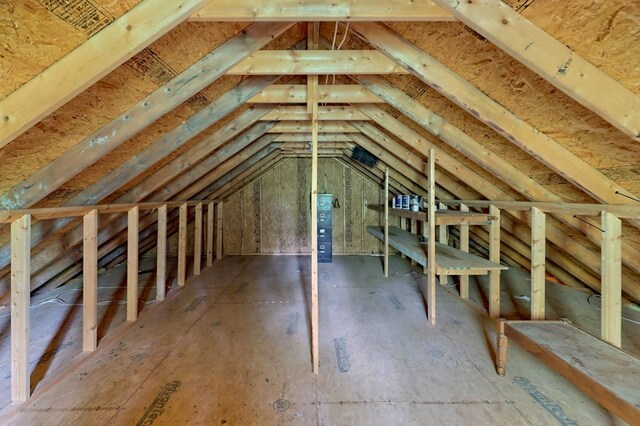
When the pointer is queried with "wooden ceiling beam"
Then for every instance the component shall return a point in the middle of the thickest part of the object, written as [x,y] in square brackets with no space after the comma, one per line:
[305,127]
[551,60]
[322,10]
[316,62]
[164,99]
[88,63]
[325,113]
[306,137]
[475,102]
[327,94]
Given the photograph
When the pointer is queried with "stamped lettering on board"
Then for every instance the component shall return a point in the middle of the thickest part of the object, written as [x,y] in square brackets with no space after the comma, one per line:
[342,356]
[159,404]
[84,15]
[547,403]
[153,67]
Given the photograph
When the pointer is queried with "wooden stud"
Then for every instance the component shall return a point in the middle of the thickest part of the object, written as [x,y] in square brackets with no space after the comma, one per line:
[494,256]
[431,220]
[20,305]
[444,239]
[90,282]
[464,246]
[413,227]
[538,260]
[611,315]
[501,352]
[210,225]
[197,250]
[182,246]
[313,109]
[161,268]
[219,230]
[133,220]
[126,36]
[320,10]
[403,225]
[386,222]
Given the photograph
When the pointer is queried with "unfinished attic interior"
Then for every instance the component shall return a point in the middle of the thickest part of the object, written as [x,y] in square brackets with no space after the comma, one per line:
[311,212]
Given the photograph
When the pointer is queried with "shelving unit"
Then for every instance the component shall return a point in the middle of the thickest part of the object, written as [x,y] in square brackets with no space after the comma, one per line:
[438,258]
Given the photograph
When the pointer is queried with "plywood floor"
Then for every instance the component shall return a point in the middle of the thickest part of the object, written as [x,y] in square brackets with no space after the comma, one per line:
[232,348]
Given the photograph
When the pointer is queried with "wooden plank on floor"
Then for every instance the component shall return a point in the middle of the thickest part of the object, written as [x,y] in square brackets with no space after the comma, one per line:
[602,371]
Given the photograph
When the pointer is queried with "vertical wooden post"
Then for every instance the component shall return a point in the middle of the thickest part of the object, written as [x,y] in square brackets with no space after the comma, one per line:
[443,239]
[494,256]
[386,221]
[431,219]
[413,228]
[197,249]
[538,283]
[182,246]
[90,282]
[464,246]
[501,351]
[132,263]
[219,230]
[611,289]
[20,305]
[313,39]
[210,224]
[403,226]
[161,267]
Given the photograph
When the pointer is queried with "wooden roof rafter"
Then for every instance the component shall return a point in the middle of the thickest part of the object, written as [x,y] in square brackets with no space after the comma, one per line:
[551,60]
[136,118]
[53,87]
[555,156]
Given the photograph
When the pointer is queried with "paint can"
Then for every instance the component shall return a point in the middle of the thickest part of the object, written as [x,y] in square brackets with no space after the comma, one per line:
[405,202]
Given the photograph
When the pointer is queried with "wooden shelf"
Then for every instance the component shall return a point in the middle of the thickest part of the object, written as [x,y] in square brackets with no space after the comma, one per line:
[443,217]
[449,260]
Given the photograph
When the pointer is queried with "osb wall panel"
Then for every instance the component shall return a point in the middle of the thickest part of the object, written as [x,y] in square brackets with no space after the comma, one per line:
[37,33]
[271,215]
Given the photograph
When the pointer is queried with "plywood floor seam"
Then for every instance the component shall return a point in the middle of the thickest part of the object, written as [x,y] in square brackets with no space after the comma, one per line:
[232,347]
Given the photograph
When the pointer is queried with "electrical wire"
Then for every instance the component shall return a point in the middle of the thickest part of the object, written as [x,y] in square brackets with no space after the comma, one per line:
[60,301]
[598,296]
